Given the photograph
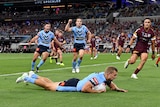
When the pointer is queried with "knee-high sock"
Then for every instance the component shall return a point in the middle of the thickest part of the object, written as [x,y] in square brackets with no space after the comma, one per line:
[30,80]
[40,63]
[74,64]
[79,62]
[32,65]
[136,71]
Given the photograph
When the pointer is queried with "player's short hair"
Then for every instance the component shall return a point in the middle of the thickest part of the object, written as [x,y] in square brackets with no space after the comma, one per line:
[111,69]
[59,30]
[45,23]
[147,18]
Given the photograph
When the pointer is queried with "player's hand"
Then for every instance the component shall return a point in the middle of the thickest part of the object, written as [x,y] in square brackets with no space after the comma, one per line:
[70,21]
[127,50]
[153,56]
[29,43]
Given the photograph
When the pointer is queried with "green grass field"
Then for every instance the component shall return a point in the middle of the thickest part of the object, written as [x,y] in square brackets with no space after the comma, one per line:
[144,92]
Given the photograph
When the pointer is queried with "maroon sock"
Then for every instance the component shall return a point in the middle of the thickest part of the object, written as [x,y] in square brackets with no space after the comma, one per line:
[136,71]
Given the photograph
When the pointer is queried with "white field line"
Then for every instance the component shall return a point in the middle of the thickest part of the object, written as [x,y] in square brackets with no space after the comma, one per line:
[56,69]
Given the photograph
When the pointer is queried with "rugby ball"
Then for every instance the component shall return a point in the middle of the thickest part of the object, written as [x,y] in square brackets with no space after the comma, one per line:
[98,87]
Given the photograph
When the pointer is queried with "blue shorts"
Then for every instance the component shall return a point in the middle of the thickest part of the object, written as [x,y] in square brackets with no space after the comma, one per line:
[40,49]
[68,86]
[78,46]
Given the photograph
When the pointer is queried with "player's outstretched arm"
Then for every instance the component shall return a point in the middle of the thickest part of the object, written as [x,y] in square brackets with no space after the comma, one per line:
[153,49]
[114,87]
[67,27]
[33,39]
[130,43]
[87,88]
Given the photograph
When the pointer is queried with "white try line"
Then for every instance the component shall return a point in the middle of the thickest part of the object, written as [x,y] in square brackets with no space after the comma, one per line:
[84,66]
[47,70]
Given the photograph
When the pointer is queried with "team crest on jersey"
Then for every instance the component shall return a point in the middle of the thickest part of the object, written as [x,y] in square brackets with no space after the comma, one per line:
[146,35]
[46,37]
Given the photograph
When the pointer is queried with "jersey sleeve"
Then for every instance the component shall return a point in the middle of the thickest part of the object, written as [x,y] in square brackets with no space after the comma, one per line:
[86,29]
[135,34]
[153,36]
[94,81]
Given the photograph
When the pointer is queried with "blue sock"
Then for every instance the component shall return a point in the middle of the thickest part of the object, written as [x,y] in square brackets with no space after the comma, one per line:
[74,64]
[66,88]
[30,80]
[40,63]
[34,76]
[32,66]
[79,62]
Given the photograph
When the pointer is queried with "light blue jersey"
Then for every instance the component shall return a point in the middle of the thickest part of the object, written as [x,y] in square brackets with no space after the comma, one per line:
[94,78]
[45,38]
[80,34]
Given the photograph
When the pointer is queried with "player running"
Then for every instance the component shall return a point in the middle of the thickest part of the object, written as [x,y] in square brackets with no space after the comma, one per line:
[94,53]
[44,38]
[57,50]
[85,85]
[158,45]
[80,32]
[120,42]
[143,35]
[113,46]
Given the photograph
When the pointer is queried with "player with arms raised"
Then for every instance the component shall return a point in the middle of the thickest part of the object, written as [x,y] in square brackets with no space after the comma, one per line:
[143,35]
[80,32]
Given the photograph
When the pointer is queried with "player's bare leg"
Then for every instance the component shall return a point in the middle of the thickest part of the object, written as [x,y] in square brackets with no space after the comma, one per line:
[42,61]
[120,49]
[60,54]
[81,54]
[143,57]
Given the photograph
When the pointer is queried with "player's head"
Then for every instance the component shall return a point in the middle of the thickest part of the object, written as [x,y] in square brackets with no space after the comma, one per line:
[111,73]
[78,22]
[47,26]
[60,33]
[123,33]
[147,23]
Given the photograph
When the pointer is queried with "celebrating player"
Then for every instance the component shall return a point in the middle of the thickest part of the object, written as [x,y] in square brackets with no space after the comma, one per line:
[57,50]
[85,85]
[120,42]
[80,32]
[143,35]
[44,38]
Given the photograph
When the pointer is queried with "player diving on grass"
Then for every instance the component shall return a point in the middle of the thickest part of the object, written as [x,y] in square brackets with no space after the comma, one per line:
[75,85]
[80,32]
[44,39]
[142,36]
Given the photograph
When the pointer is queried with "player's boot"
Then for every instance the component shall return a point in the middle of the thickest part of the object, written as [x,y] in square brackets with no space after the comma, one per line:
[61,64]
[91,58]
[50,59]
[30,73]
[21,78]
[73,70]
[134,76]
[118,58]
[126,64]
[58,63]
[96,57]
[157,65]
[77,69]
[37,69]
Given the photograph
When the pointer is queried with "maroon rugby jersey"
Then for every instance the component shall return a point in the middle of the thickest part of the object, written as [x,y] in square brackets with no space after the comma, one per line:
[121,40]
[93,42]
[143,38]
[60,39]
